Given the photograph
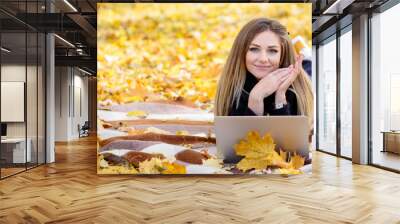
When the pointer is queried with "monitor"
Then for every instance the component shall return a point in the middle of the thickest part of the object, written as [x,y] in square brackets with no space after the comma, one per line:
[3,129]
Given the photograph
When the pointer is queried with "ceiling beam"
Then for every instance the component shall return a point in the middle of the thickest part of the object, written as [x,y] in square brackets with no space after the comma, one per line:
[337,6]
[77,61]
[83,23]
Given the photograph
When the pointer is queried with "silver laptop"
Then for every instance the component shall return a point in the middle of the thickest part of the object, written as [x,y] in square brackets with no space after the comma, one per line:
[289,132]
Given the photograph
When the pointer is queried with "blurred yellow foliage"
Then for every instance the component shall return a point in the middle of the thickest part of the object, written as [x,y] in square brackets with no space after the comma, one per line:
[175,52]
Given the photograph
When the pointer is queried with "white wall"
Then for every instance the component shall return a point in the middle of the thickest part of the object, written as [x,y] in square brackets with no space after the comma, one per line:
[79,103]
[14,73]
[71,94]
[61,103]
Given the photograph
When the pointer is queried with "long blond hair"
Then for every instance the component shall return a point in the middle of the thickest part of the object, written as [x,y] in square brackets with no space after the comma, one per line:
[233,76]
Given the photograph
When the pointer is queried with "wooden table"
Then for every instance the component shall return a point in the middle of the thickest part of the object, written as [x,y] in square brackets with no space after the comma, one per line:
[391,141]
[13,150]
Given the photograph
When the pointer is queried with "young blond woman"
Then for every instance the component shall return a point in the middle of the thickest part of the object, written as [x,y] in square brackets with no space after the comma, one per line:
[263,76]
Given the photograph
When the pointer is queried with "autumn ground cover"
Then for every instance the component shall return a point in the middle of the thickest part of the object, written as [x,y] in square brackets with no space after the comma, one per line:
[175,52]
[158,68]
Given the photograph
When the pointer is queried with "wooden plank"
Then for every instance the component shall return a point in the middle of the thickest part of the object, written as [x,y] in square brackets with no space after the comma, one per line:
[70,191]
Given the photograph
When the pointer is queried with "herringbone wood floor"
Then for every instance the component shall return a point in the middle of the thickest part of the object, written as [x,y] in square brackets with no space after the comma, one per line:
[70,191]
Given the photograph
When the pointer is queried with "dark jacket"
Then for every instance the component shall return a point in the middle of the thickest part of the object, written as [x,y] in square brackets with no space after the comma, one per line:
[289,109]
[269,102]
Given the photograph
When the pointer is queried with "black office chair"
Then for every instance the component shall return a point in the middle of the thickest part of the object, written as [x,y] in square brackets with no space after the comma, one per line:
[84,130]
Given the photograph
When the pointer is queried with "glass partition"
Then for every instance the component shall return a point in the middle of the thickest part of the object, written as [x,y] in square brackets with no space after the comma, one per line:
[346,93]
[13,104]
[385,85]
[32,86]
[22,88]
[31,99]
[327,96]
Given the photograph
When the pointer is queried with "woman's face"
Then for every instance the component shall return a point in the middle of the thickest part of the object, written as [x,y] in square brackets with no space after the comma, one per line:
[264,54]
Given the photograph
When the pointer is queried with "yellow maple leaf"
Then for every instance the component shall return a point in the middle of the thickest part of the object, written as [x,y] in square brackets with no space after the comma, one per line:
[290,171]
[283,155]
[153,166]
[160,166]
[133,99]
[248,164]
[259,152]
[296,162]
[213,162]
[103,163]
[182,132]
[173,168]
[137,113]
[254,146]
[117,170]
[136,132]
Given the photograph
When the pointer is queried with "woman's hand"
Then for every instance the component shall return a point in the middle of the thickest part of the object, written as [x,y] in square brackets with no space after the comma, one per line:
[280,95]
[265,87]
[281,91]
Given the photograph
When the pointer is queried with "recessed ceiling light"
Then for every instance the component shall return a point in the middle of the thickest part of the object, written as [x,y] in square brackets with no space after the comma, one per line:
[64,40]
[71,6]
[84,71]
[337,7]
[5,50]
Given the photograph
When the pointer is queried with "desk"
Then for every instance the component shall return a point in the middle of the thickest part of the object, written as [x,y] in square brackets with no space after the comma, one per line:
[16,148]
[391,141]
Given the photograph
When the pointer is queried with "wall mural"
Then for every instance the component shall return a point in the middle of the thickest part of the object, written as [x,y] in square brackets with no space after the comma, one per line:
[161,69]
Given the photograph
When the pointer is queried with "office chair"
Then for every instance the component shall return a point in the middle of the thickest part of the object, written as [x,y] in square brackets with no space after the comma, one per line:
[84,130]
